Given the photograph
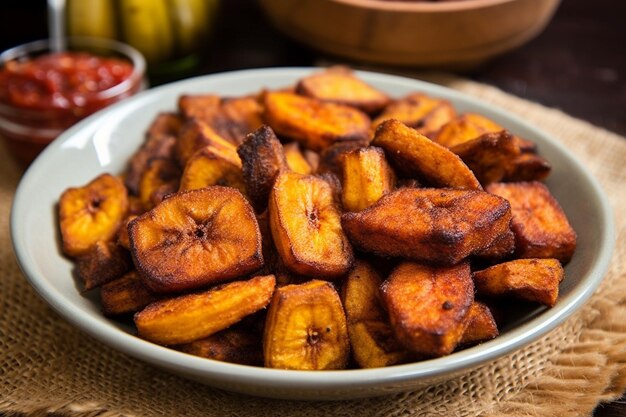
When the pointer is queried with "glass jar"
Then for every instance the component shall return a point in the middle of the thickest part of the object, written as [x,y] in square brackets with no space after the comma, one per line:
[43,93]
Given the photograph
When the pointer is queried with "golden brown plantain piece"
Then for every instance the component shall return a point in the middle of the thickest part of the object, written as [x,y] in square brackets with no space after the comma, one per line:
[205,168]
[442,226]
[103,263]
[465,128]
[122,234]
[313,158]
[203,106]
[159,143]
[315,124]
[489,156]
[366,178]
[428,306]
[262,160]
[371,336]
[530,279]
[541,227]
[296,160]
[418,111]
[306,226]
[306,328]
[527,167]
[189,241]
[127,294]
[91,213]
[415,155]
[195,135]
[160,178]
[191,317]
[330,158]
[481,325]
[502,247]
[340,85]
[236,344]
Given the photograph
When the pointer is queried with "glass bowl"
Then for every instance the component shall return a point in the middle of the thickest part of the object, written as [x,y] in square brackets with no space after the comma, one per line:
[28,128]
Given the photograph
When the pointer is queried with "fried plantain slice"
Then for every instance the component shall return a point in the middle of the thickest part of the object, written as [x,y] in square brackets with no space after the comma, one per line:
[530,279]
[296,160]
[306,227]
[306,328]
[418,111]
[415,155]
[481,325]
[428,306]
[313,158]
[205,168]
[199,106]
[195,135]
[122,233]
[371,336]
[237,344]
[191,317]
[315,124]
[366,178]
[443,226]
[501,248]
[331,157]
[527,167]
[489,156]
[262,159]
[340,85]
[541,227]
[159,143]
[189,241]
[103,263]
[465,128]
[91,213]
[160,178]
[127,294]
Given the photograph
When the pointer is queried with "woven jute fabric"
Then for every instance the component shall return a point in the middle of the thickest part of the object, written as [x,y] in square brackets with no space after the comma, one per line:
[49,367]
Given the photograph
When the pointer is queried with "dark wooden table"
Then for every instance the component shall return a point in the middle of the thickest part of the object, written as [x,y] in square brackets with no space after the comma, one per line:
[578,64]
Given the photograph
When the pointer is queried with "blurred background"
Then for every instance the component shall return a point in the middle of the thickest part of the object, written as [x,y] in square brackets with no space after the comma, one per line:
[577,63]
[573,58]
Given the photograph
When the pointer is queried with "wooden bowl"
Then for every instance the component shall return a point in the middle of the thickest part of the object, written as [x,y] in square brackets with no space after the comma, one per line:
[450,34]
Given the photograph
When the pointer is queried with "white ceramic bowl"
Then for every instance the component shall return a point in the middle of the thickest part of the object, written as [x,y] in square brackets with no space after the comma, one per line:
[104,141]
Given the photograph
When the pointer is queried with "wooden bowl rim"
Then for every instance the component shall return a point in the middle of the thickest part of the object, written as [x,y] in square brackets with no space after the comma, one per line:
[410,6]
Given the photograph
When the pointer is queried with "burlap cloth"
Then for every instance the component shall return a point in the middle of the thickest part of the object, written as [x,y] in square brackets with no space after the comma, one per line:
[47,366]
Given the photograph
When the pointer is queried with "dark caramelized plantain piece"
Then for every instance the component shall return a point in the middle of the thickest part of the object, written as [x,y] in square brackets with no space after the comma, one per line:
[159,143]
[91,213]
[191,317]
[445,226]
[366,178]
[315,124]
[415,155]
[127,294]
[340,85]
[530,279]
[104,262]
[527,167]
[481,325]
[541,227]
[418,111]
[429,306]
[160,178]
[195,135]
[371,336]
[189,241]
[262,159]
[306,226]
[306,328]
[237,344]
[489,156]
[206,168]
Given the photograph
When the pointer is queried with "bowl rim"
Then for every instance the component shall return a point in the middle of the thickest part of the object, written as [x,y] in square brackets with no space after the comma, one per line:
[290,380]
[418,6]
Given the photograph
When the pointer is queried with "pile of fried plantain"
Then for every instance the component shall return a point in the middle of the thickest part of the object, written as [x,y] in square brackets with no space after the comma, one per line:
[321,226]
